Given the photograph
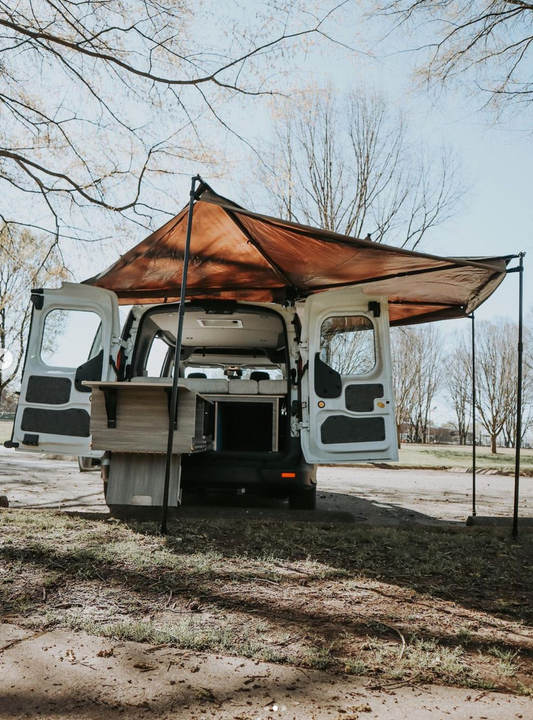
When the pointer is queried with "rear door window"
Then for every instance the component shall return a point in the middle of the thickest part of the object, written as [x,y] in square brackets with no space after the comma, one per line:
[347,344]
[68,337]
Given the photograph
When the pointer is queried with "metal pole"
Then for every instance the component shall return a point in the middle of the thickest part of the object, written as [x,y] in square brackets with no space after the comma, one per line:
[519,392]
[173,415]
[473,415]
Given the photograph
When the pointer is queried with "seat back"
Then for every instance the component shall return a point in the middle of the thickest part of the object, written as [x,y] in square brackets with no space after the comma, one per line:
[273,387]
[243,387]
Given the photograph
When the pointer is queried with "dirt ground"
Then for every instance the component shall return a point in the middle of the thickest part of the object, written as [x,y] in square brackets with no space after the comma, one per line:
[60,673]
[379,496]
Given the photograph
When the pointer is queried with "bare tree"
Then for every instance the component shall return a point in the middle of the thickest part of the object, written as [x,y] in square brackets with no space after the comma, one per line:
[495,375]
[25,262]
[418,368]
[509,427]
[100,101]
[486,41]
[348,164]
[458,385]
[348,344]
[403,375]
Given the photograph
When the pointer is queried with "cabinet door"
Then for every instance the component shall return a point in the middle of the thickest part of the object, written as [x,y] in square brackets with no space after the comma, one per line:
[347,392]
[74,335]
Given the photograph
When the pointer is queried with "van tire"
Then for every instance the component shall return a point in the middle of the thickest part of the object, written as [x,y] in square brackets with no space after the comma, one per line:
[303,499]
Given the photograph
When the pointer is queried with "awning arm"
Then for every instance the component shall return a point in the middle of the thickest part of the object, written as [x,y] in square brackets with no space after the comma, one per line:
[173,416]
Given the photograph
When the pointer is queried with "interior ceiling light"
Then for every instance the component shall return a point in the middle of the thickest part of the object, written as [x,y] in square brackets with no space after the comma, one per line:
[226,323]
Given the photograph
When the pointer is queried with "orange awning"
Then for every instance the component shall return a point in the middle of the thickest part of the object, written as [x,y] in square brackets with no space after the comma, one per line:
[240,255]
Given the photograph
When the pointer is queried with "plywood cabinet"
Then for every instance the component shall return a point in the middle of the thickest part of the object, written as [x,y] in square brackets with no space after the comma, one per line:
[134,418]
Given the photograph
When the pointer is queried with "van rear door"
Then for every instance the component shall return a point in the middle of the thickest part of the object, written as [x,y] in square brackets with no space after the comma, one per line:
[347,393]
[74,335]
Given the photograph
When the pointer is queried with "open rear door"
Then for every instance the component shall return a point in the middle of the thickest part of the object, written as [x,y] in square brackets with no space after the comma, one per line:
[74,333]
[347,394]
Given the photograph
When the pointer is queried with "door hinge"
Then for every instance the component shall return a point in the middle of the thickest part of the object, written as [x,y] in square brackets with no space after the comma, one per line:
[37,299]
[304,424]
[375,308]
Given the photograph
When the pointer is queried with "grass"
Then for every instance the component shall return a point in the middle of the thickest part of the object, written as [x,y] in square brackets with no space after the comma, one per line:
[457,456]
[452,606]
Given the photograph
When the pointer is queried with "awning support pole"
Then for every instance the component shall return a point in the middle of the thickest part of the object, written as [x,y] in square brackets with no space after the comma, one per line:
[173,416]
[473,414]
[519,392]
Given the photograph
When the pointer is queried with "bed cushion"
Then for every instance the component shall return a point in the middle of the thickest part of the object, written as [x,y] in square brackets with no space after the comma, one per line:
[272,387]
[243,387]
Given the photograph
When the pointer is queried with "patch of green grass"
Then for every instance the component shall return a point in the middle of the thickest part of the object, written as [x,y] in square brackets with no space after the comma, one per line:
[464,636]
[187,634]
[506,665]
[425,659]
[318,658]
[524,690]
[460,456]
[355,667]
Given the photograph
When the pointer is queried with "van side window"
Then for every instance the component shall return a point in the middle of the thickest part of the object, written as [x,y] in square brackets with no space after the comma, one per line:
[68,337]
[347,344]
[156,357]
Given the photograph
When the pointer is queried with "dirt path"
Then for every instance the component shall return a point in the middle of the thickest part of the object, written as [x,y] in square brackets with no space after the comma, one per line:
[385,496]
[377,495]
[60,674]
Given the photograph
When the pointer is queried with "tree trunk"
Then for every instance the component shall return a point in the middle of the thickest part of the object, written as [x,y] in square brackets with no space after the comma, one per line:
[493,444]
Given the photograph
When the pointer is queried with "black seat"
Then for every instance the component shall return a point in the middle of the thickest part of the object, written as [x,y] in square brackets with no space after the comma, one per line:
[259,375]
[197,375]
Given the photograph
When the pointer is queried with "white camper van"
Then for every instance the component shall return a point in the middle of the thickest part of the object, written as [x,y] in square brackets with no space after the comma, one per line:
[284,388]
[284,362]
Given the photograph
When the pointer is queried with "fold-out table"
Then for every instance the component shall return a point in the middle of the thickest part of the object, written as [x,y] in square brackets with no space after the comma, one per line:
[131,421]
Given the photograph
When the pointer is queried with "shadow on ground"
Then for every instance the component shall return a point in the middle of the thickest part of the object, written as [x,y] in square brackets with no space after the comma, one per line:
[331,507]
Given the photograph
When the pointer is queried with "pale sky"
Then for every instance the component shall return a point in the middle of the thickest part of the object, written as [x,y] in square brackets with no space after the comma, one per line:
[497,215]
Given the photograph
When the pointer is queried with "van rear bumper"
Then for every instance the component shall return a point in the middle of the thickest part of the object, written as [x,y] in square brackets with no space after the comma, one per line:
[269,472]
[218,477]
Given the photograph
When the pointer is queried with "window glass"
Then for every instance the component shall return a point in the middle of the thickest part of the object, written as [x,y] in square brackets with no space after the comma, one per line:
[68,337]
[274,373]
[97,344]
[156,357]
[347,344]
[208,370]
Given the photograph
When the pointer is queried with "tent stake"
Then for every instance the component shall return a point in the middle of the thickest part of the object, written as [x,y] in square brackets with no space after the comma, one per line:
[173,415]
[519,392]
[473,415]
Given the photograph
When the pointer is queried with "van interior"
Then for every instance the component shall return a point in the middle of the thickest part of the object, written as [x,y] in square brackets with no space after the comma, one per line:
[235,356]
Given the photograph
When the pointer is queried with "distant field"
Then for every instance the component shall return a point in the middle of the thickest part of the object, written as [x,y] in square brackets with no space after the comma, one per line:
[457,456]
[431,456]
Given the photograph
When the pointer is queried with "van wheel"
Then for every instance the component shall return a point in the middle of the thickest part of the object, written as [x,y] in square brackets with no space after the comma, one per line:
[303,499]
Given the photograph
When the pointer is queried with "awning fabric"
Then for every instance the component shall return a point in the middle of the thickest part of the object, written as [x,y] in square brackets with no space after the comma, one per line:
[241,255]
